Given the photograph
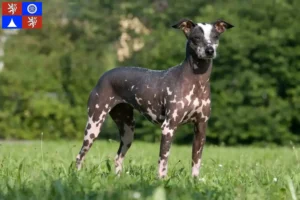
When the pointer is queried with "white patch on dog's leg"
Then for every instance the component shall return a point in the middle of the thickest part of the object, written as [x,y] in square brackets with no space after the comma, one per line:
[196,168]
[167,130]
[102,116]
[118,164]
[167,154]
[205,118]
[162,168]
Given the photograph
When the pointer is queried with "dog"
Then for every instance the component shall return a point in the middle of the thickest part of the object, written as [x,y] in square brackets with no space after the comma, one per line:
[169,98]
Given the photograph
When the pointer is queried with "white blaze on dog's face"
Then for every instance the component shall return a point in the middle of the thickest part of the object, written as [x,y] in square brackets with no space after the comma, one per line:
[203,38]
[207,45]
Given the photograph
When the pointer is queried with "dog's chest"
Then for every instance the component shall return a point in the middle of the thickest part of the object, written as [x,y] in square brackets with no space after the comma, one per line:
[192,105]
[198,110]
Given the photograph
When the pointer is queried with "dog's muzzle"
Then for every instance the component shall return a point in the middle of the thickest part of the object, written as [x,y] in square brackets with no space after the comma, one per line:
[209,51]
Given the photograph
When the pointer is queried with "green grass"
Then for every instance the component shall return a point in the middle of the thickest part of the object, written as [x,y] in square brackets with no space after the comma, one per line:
[29,171]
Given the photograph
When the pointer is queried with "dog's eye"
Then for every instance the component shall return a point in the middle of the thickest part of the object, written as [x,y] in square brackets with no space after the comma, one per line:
[216,37]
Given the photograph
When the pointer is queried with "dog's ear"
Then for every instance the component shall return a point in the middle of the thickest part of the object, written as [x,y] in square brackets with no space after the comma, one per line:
[185,25]
[221,25]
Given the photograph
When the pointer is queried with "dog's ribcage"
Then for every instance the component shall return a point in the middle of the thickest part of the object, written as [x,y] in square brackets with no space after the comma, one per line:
[161,94]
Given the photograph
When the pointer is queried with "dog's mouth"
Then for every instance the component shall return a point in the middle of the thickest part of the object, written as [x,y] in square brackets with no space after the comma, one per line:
[207,57]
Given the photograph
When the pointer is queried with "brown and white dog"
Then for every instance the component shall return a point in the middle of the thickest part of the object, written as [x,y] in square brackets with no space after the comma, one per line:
[170,97]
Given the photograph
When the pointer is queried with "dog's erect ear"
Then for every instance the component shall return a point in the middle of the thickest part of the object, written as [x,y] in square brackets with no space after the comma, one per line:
[221,25]
[185,25]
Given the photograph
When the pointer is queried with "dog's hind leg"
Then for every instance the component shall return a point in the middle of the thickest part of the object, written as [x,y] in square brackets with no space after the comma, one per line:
[98,108]
[122,114]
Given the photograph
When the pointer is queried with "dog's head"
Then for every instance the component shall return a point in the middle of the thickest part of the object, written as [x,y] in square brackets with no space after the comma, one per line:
[203,38]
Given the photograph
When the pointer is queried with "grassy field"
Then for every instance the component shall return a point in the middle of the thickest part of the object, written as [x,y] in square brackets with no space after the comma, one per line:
[29,170]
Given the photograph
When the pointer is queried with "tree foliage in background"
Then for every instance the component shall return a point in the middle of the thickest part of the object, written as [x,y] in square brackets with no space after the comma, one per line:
[255,82]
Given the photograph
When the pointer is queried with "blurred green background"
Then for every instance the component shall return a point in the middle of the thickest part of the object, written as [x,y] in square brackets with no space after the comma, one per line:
[46,75]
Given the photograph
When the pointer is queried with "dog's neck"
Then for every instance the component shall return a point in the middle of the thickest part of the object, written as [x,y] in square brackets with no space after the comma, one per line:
[198,69]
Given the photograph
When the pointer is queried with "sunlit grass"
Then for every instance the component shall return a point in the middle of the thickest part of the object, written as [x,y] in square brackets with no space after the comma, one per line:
[35,170]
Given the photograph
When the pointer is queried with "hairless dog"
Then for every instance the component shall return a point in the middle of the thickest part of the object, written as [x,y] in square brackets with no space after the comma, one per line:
[169,98]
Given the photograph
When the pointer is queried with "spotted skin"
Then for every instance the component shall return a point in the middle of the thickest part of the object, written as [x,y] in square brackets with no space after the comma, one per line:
[97,113]
[168,98]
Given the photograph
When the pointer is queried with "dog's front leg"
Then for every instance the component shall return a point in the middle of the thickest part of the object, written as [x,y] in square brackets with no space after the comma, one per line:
[168,131]
[198,143]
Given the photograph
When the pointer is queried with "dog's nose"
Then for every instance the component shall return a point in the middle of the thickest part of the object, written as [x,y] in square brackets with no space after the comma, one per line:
[209,51]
